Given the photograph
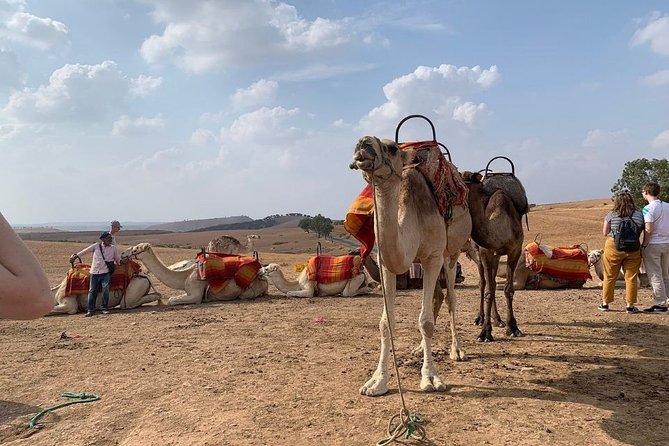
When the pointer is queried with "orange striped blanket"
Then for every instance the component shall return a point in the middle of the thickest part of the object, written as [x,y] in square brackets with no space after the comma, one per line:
[217,269]
[564,262]
[79,277]
[329,269]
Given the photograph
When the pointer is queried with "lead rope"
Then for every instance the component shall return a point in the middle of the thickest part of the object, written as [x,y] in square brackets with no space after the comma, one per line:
[403,423]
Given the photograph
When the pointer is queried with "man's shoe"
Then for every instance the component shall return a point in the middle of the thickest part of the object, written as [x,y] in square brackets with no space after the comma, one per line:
[632,310]
[89,314]
[603,307]
[656,309]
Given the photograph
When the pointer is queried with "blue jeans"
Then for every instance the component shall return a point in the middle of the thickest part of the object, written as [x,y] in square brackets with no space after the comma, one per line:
[96,281]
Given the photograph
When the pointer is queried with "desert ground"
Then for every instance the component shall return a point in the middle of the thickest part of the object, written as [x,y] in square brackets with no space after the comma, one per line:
[286,371]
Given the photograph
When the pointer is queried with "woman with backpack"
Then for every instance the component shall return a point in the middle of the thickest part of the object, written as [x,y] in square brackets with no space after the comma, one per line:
[622,228]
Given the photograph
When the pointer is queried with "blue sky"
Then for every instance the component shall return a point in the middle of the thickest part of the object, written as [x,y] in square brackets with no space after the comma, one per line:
[170,110]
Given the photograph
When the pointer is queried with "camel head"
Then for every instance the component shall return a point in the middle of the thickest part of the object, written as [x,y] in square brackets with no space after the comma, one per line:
[135,250]
[595,256]
[269,269]
[378,159]
[471,177]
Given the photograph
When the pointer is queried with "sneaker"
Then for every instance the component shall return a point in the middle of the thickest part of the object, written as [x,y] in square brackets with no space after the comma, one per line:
[603,307]
[89,314]
[632,309]
[656,309]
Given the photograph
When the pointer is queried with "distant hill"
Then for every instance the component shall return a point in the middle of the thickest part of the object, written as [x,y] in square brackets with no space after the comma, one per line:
[272,221]
[200,225]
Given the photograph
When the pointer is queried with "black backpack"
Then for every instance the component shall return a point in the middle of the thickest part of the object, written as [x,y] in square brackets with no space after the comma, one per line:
[627,236]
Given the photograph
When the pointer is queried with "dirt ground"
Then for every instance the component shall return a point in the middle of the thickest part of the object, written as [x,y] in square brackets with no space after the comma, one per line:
[286,371]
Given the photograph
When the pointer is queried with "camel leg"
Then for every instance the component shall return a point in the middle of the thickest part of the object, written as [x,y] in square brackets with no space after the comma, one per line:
[456,353]
[194,293]
[309,290]
[479,265]
[511,324]
[430,380]
[354,287]
[70,305]
[378,383]
[489,261]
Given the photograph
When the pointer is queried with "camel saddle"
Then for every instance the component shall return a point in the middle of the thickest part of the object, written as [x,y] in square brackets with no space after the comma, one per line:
[563,262]
[218,268]
[79,277]
[329,269]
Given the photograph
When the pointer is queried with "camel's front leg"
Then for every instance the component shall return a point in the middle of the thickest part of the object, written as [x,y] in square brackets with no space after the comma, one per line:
[309,290]
[456,353]
[70,305]
[194,293]
[378,383]
[511,324]
[430,380]
[488,260]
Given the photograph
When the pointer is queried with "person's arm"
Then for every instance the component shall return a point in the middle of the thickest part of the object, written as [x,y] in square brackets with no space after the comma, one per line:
[607,228]
[647,231]
[24,287]
[117,257]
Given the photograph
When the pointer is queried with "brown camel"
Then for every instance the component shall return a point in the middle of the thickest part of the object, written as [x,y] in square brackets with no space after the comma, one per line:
[409,225]
[496,205]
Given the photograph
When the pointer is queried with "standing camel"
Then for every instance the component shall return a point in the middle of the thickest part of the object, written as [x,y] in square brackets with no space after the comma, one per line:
[409,225]
[496,206]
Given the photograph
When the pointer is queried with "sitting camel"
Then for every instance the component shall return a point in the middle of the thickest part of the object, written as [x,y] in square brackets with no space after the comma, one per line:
[595,260]
[409,224]
[526,279]
[226,244]
[135,294]
[308,285]
[187,278]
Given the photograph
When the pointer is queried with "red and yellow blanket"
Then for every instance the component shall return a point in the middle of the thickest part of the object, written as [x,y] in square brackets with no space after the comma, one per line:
[447,185]
[217,269]
[330,269]
[79,277]
[565,262]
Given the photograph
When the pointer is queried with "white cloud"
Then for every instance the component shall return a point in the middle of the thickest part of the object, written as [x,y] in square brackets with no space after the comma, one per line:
[661,141]
[654,32]
[260,92]
[18,26]
[10,75]
[441,90]
[261,126]
[322,71]
[600,138]
[145,85]
[202,136]
[202,35]
[125,126]
[657,79]
[468,112]
[74,92]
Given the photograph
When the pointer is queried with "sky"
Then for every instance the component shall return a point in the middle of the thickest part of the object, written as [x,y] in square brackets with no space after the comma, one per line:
[168,110]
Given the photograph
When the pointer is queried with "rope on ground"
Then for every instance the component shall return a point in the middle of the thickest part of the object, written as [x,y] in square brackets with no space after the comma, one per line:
[81,398]
[409,425]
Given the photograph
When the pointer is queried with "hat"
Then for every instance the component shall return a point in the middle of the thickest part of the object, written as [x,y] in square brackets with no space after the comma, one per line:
[116,223]
[104,235]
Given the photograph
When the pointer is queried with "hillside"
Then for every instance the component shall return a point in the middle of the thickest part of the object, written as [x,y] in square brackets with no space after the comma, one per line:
[195,225]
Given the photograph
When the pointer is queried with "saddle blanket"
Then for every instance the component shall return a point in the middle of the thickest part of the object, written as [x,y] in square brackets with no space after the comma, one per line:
[79,277]
[447,185]
[217,269]
[329,269]
[563,262]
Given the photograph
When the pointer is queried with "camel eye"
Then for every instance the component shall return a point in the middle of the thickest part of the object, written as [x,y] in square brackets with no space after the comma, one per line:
[392,149]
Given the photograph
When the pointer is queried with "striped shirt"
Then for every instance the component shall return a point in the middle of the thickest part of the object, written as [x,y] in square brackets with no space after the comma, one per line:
[614,220]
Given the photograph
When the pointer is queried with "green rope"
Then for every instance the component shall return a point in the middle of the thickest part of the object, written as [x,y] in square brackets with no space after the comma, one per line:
[82,398]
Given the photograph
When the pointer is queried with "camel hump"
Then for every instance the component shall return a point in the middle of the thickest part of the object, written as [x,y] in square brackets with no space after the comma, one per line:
[511,186]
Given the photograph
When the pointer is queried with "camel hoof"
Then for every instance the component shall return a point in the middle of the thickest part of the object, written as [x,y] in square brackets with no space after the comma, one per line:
[515,333]
[500,324]
[485,336]
[374,387]
[418,351]
[432,384]
[457,354]
[478,321]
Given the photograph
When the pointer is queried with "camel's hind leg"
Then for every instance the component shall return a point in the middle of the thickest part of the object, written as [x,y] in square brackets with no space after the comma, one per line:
[511,324]
[69,305]
[378,383]
[354,287]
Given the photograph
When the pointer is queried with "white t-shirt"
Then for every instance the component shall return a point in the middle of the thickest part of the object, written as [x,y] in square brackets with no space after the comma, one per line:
[657,213]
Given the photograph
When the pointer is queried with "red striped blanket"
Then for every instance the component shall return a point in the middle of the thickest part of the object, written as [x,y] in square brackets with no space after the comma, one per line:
[217,269]
[329,269]
[79,277]
[358,220]
[565,262]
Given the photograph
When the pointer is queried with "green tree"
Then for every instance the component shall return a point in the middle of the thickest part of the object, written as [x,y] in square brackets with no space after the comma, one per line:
[305,224]
[321,225]
[641,171]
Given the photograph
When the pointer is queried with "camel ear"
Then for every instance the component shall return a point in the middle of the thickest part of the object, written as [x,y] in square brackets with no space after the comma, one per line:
[391,147]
